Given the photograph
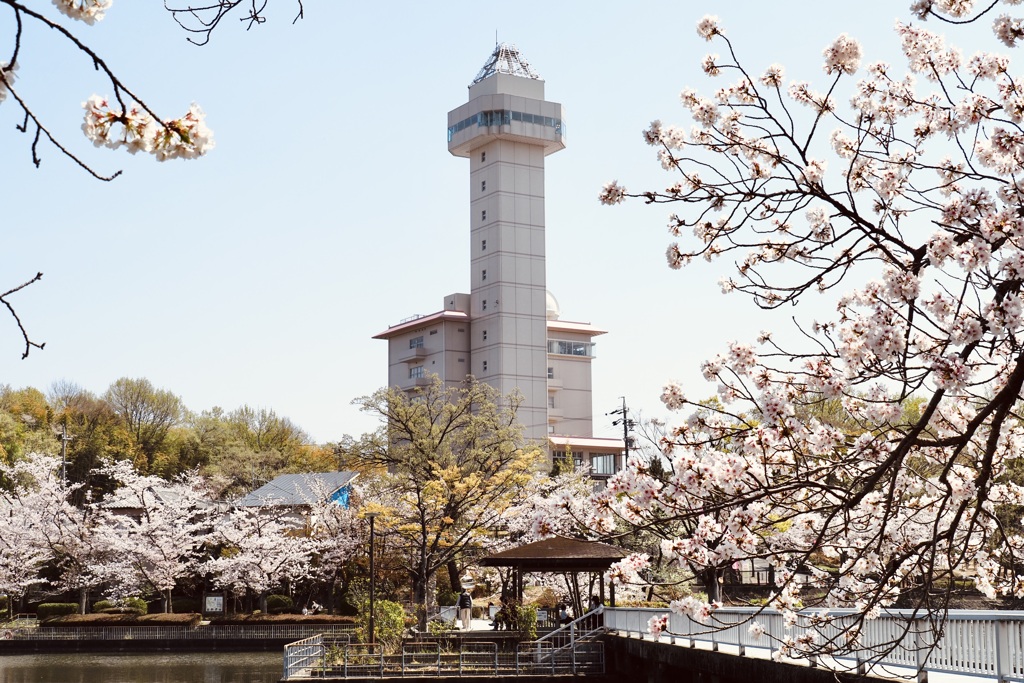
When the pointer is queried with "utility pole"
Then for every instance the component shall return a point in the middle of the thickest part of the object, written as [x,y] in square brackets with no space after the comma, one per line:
[627,425]
[64,438]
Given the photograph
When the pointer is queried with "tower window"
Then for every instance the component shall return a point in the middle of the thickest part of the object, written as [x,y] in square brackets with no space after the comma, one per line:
[483,186]
[484,335]
[416,342]
[551,401]
[485,366]
[484,306]
[416,372]
[551,373]
[483,274]
[483,215]
[483,245]
[483,156]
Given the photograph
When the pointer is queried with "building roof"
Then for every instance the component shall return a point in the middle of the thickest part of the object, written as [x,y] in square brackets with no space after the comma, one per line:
[290,490]
[506,59]
[557,554]
[420,320]
[587,442]
[566,326]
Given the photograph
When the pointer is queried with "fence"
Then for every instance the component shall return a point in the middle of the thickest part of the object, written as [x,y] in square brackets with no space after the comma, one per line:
[322,657]
[987,644]
[265,632]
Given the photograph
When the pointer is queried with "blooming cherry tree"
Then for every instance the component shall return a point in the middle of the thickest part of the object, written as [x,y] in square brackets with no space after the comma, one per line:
[905,208]
[153,530]
[259,551]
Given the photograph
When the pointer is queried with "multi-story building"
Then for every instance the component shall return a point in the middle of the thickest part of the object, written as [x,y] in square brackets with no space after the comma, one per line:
[507,331]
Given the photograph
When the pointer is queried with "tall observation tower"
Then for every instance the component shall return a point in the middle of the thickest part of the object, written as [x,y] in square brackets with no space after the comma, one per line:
[508,330]
[505,130]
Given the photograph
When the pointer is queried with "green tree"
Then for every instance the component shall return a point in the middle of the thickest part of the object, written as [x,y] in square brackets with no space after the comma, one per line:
[147,413]
[449,460]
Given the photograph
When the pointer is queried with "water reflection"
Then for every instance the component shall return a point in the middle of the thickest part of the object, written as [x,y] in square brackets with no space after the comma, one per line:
[181,667]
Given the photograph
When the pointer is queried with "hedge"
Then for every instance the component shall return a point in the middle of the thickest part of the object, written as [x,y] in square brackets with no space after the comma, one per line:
[49,610]
[100,620]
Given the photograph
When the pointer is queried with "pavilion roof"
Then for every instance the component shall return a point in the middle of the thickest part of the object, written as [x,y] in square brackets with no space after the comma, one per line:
[558,555]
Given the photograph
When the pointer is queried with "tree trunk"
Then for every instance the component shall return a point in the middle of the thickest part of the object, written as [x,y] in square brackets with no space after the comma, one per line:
[453,576]
[83,599]
[168,606]
[419,599]
[712,583]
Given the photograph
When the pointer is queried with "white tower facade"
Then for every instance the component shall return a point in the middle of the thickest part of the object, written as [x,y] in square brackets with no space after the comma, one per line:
[508,331]
[506,129]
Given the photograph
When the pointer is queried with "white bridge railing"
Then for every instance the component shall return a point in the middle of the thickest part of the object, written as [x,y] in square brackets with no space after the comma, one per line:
[988,644]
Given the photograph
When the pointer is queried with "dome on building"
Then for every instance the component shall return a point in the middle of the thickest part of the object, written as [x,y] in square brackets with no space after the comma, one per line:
[552,306]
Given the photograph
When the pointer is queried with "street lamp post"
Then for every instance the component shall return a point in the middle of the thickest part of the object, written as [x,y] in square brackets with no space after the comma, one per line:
[373,579]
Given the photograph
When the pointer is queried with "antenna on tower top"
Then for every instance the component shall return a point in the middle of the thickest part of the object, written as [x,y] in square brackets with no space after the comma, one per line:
[495,37]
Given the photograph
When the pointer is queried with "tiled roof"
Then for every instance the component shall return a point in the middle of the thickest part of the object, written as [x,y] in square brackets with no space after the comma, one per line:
[297,489]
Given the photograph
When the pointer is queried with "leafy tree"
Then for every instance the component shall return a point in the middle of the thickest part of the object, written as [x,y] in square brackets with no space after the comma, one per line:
[449,459]
[147,413]
[910,198]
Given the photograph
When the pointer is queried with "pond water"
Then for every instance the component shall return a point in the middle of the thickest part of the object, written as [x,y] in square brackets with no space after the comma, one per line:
[176,667]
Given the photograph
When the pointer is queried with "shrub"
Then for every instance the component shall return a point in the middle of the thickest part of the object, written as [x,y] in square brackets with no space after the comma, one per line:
[127,606]
[388,626]
[101,620]
[277,604]
[49,610]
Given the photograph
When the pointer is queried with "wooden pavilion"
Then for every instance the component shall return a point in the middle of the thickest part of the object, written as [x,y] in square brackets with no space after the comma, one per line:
[557,555]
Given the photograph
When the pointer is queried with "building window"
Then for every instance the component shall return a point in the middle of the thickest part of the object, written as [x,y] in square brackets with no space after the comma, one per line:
[484,335]
[571,348]
[483,245]
[484,306]
[483,186]
[551,401]
[433,332]
[602,463]
[483,156]
[416,342]
[483,214]
[483,274]
[417,372]
[462,360]
[551,373]
[485,366]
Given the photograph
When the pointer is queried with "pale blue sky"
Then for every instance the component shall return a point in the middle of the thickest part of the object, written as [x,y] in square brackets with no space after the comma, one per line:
[259,274]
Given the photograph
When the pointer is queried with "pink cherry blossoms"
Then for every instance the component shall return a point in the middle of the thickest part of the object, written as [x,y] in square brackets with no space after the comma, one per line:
[134,129]
[108,122]
[874,444]
[89,11]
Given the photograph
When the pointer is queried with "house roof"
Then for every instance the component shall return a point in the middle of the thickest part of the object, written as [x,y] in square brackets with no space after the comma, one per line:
[557,555]
[420,321]
[289,490]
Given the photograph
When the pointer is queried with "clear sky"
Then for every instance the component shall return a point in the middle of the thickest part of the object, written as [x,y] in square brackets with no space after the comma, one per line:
[260,273]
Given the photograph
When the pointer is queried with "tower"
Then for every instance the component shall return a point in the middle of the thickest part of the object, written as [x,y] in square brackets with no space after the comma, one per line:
[505,130]
[507,331]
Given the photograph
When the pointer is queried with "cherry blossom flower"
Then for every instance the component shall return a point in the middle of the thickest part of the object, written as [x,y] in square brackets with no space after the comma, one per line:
[708,27]
[89,11]
[842,56]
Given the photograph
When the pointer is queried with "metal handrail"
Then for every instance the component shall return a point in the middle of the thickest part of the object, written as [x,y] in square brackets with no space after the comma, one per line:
[982,643]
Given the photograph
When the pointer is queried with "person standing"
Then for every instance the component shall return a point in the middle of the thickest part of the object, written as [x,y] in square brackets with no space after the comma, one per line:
[465,609]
